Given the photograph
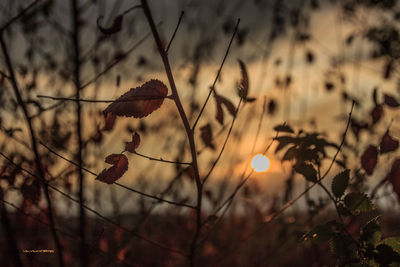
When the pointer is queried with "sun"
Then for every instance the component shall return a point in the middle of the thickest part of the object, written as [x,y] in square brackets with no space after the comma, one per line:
[260,163]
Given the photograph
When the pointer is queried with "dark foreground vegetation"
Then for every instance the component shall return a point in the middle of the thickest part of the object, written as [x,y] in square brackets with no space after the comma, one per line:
[116,156]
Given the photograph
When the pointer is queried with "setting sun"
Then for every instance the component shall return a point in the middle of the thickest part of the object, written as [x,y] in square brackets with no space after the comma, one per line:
[260,163]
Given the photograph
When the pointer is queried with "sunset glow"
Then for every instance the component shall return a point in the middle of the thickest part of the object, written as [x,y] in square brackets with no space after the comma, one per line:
[260,163]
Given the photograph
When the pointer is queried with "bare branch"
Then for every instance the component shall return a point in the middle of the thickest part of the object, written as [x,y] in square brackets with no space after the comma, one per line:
[35,149]
[116,183]
[20,14]
[96,212]
[135,98]
[176,29]
[212,89]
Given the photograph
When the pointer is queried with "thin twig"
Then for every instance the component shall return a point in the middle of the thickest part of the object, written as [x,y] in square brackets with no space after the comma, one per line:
[116,183]
[185,121]
[96,212]
[161,159]
[176,29]
[135,98]
[225,142]
[212,89]
[72,236]
[77,82]
[38,163]
[116,61]
[20,14]
[273,216]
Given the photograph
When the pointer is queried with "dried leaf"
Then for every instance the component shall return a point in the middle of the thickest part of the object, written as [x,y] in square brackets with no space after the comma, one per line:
[369,159]
[228,104]
[391,101]
[271,107]
[222,101]
[376,114]
[284,128]
[140,101]
[307,170]
[243,89]
[375,96]
[394,177]
[388,143]
[219,116]
[120,166]
[114,28]
[206,136]
[110,121]
[132,145]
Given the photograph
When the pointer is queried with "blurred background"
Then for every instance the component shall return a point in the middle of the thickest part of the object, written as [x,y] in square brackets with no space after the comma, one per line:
[306,60]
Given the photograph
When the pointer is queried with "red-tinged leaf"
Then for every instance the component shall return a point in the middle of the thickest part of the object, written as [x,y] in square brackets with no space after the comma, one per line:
[140,101]
[376,114]
[97,137]
[388,143]
[394,177]
[243,89]
[391,101]
[206,136]
[369,159]
[120,166]
[109,122]
[132,145]
[114,28]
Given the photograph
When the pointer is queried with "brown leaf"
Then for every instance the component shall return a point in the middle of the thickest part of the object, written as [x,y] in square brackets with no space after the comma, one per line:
[375,96]
[222,101]
[110,121]
[376,114]
[206,136]
[391,101]
[271,107]
[114,28]
[120,166]
[369,159]
[388,143]
[219,116]
[394,177]
[97,137]
[243,89]
[228,104]
[132,145]
[140,101]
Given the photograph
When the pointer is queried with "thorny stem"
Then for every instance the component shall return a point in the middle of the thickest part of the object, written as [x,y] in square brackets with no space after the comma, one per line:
[39,166]
[189,131]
